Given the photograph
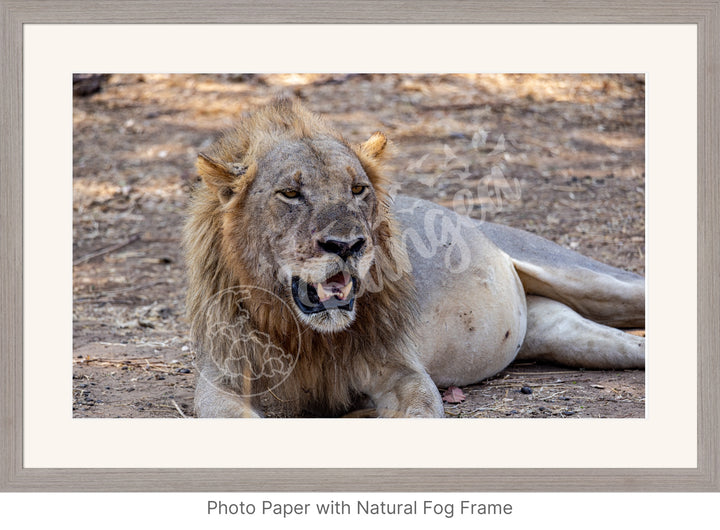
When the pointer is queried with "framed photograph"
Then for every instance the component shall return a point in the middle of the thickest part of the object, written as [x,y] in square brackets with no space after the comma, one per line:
[595,127]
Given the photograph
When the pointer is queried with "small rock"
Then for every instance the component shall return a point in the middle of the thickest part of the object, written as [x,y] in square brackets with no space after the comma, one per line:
[87,84]
[526,390]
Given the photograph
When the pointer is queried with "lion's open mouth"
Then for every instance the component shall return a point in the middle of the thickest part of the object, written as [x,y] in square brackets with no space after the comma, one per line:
[335,292]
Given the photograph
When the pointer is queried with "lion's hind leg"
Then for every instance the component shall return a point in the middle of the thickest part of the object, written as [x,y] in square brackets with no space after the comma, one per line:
[597,291]
[556,333]
[601,297]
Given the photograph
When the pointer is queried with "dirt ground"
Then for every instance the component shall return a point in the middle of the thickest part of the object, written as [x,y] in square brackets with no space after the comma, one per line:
[558,155]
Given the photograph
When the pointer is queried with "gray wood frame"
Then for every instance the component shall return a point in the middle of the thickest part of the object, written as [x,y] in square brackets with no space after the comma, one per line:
[15,13]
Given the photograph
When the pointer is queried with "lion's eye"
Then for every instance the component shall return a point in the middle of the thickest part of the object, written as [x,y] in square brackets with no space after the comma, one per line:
[358,189]
[290,193]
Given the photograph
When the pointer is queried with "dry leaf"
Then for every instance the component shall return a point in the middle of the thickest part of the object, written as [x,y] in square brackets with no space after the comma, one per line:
[453,395]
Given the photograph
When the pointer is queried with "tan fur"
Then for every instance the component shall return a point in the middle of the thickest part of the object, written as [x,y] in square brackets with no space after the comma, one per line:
[223,247]
[286,206]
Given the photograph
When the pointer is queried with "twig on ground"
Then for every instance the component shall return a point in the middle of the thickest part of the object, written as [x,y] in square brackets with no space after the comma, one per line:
[182,414]
[107,250]
[98,295]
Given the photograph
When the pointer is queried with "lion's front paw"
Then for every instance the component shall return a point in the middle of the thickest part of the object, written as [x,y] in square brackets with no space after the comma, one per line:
[420,405]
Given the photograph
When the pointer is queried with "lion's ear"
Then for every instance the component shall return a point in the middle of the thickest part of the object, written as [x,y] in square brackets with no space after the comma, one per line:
[375,145]
[218,175]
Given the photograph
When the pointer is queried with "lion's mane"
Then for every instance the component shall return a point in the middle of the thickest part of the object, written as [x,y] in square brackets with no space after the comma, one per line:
[326,366]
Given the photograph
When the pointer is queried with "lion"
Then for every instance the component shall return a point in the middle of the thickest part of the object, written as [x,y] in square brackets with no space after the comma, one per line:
[311,285]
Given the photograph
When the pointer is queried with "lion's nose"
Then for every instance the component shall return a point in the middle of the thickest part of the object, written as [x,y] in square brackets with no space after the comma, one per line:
[344,249]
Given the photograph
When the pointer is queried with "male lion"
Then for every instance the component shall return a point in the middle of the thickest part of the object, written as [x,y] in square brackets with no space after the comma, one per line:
[310,284]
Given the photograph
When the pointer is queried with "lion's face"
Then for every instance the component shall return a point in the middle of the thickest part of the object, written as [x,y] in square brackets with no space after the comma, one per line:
[294,210]
[314,206]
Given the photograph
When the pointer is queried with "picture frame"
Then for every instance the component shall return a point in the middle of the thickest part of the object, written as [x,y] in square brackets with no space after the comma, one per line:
[15,477]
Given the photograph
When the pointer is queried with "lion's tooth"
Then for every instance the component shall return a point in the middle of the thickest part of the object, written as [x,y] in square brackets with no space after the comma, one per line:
[327,290]
[323,295]
[346,290]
